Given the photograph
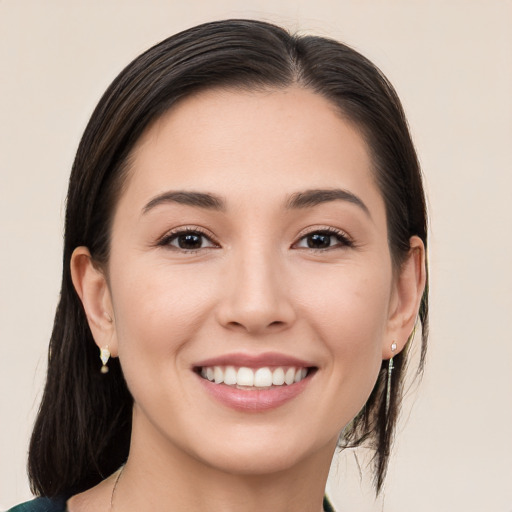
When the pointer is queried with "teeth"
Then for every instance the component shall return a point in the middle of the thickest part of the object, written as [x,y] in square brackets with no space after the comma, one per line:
[263,378]
[218,375]
[290,376]
[245,377]
[249,377]
[278,377]
[230,375]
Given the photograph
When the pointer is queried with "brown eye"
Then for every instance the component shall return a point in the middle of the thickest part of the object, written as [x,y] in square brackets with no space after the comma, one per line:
[190,241]
[187,241]
[325,239]
[319,240]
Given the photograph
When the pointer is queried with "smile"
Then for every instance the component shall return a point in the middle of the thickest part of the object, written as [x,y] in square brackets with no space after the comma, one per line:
[252,383]
[253,378]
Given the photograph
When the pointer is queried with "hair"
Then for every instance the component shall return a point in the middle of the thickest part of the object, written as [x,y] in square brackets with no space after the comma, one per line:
[82,431]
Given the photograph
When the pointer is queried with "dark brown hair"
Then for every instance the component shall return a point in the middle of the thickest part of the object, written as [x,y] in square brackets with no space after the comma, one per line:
[82,432]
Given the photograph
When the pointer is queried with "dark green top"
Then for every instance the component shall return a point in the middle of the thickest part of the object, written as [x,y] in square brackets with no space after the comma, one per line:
[42,505]
[59,505]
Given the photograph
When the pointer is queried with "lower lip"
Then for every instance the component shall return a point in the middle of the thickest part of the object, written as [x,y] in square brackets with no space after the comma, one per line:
[254,400]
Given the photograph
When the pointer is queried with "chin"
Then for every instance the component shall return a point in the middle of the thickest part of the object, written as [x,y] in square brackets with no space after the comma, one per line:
[260,455]
[255,464]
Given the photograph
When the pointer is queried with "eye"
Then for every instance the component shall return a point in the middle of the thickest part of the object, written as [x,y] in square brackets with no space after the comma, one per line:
[187,240]
[324,239]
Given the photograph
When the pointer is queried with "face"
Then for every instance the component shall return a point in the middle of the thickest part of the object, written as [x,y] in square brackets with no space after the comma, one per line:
[250,246]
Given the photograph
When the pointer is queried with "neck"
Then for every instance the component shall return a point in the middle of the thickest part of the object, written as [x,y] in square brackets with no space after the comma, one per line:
[159,476]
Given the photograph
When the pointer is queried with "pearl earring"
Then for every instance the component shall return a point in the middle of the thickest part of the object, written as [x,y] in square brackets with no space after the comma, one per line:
[104,356]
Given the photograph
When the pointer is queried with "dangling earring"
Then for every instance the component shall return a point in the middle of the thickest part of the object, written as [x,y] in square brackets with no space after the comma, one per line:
[390,371]
[104,356]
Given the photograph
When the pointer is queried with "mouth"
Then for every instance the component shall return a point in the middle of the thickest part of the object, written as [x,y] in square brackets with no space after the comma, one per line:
[254,382]
[258,378]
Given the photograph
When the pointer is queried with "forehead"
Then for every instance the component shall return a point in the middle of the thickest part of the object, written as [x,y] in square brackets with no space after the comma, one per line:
[251,144]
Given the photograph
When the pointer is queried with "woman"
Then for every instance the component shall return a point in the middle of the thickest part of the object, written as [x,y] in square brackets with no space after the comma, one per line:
[244,265]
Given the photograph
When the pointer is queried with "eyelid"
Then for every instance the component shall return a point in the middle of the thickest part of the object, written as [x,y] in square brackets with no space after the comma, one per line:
[347,240]
[164,240]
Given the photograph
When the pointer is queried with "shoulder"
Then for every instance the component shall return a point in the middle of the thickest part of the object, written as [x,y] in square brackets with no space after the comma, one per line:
[42,505]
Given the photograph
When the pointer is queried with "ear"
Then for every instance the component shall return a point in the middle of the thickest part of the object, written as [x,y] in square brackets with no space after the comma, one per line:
[406,297]
[91,286]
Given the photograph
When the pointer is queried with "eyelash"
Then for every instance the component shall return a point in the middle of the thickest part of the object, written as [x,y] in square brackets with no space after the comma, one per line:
[343,239]
[166,240]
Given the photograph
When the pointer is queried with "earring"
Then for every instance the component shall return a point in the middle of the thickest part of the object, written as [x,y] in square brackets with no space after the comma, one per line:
[390,371]
[104,356]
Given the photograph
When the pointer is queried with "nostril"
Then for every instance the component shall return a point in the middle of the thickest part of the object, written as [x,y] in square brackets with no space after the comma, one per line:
[273,325]
[236,324]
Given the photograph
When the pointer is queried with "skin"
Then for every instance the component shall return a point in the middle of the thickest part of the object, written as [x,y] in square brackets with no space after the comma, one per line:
[255,286]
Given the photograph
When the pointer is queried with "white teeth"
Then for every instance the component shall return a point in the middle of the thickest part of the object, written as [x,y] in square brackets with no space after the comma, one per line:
[218,375]
[263,378]
[278,377]
[249,377]
[290,376]
[230,375]
[245,377]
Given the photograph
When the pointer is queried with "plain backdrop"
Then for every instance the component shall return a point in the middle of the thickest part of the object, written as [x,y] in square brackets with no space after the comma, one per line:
[451,62]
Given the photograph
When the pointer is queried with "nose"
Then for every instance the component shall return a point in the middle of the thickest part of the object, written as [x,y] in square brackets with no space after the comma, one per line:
[256,298]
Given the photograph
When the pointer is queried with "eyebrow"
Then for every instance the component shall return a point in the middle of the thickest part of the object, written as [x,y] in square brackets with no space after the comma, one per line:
[197,199]
[310,198]
[305,199]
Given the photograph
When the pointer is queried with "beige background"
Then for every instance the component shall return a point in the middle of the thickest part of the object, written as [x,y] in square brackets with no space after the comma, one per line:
[451,62]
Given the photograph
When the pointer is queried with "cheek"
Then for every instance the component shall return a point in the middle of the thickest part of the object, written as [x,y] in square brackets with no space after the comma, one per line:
[351,304]
[156,309]
[348,312]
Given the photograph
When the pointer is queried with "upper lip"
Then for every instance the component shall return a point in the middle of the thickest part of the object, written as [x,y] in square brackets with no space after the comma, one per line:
[254,360]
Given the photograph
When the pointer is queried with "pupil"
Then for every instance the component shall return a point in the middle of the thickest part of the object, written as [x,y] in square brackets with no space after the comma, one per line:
[190,241]
[319,241]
